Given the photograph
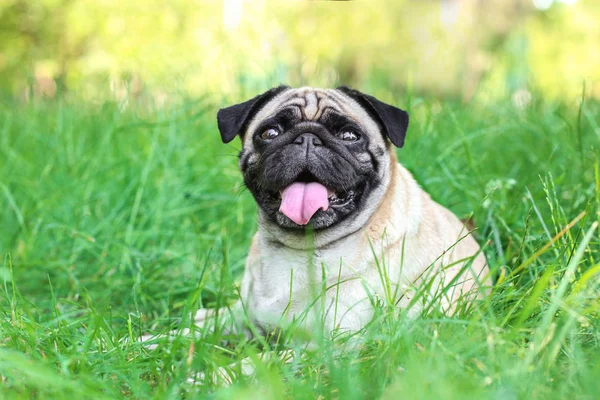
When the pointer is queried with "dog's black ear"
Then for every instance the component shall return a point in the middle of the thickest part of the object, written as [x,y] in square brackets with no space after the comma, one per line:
[234,120]
[392,120]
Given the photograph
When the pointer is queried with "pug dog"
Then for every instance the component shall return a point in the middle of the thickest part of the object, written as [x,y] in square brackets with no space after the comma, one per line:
[341,223]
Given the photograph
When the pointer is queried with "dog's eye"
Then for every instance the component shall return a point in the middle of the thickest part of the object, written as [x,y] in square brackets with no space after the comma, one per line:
[349,136]
[269,134]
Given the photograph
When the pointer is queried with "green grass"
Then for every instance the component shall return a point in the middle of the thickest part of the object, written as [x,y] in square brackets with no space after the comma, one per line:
[120,222]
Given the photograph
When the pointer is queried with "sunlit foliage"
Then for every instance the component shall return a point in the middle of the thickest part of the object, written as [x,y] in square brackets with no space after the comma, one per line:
[454,48]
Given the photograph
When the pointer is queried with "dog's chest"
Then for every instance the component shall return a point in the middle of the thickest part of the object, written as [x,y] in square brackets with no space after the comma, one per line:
[289,282]
[289,275]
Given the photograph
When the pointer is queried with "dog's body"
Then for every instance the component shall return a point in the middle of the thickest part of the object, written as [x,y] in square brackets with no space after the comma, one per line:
[323,160]
[376,236]
[408,235]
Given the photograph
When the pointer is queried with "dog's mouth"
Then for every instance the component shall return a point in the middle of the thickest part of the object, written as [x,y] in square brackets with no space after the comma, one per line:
[340,199]
[304,197]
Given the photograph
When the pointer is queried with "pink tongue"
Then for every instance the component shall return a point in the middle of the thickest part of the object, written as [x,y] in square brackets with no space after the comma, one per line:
[300,201]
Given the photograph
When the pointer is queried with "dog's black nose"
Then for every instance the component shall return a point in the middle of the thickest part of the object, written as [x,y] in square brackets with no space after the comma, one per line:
[308,140]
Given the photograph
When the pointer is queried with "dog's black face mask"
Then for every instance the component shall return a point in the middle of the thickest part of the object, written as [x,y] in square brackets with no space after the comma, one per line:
[327,152]
[308,171]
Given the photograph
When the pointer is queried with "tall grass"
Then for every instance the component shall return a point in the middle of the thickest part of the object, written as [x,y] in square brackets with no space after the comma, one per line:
[117,222]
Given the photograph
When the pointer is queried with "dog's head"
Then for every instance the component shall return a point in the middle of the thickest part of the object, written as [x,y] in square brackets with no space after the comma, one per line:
[313,156]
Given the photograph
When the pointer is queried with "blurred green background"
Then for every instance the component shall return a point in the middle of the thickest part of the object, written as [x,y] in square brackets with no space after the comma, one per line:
[159,51]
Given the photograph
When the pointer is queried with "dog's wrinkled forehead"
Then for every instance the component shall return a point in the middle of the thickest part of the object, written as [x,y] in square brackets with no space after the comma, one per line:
[310,104]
